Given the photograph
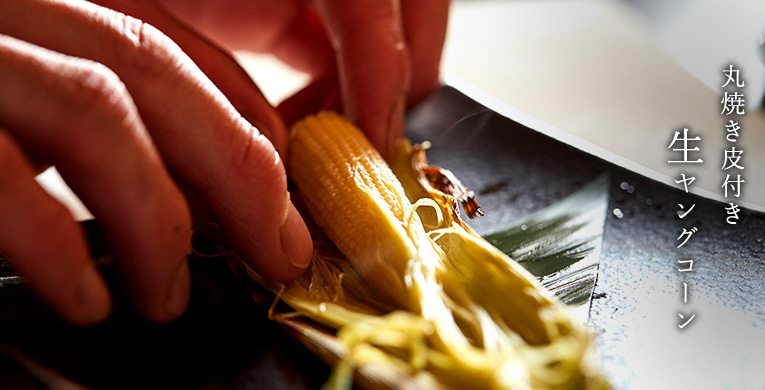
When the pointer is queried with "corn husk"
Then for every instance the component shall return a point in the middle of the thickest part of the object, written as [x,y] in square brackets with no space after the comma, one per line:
[460,314]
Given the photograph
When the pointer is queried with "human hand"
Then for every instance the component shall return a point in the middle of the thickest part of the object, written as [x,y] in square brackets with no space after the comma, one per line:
[386,53]
[127,118]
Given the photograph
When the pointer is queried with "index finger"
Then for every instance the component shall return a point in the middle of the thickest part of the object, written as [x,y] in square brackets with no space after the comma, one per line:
[373,65]
[425,27]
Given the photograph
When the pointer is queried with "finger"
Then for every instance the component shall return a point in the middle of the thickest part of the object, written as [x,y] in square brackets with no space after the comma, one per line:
[84,122]
[320,94]
[44,244]
[217,64]
[425,28]
[373,66]
[304,45]
[203,139]
[254,25]
[289,29]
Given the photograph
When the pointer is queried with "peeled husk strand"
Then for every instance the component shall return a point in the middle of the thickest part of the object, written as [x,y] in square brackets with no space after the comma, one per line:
[460,315]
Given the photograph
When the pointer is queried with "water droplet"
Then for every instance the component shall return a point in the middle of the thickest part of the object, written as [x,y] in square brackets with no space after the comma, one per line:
[649,202]
[630,189]
[618,213]
[322,307]
[524,227]
[624,185]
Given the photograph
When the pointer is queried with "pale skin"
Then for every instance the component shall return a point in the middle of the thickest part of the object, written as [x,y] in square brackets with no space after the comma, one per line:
[153,125]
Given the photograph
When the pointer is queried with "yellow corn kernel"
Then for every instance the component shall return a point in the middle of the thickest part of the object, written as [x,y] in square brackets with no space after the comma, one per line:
[354,197]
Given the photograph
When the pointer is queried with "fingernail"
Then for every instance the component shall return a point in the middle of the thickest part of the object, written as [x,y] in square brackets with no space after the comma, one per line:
[296,240]
[93,297]
[395,126]
[178,295]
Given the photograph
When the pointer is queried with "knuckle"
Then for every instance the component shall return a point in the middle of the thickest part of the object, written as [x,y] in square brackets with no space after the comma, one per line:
[258,163]
[96,85]
[145,49]
[98,99]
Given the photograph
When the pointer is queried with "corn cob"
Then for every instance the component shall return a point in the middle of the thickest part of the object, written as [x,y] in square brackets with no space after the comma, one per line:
[459,310]
[355,199]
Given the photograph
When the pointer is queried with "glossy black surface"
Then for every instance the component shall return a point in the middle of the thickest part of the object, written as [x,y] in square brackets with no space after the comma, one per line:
[639,294]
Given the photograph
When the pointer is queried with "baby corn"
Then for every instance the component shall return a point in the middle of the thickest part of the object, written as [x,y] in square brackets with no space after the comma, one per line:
[414,289]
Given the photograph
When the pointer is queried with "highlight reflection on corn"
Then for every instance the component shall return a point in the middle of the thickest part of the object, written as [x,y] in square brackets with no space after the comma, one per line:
[415,289]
